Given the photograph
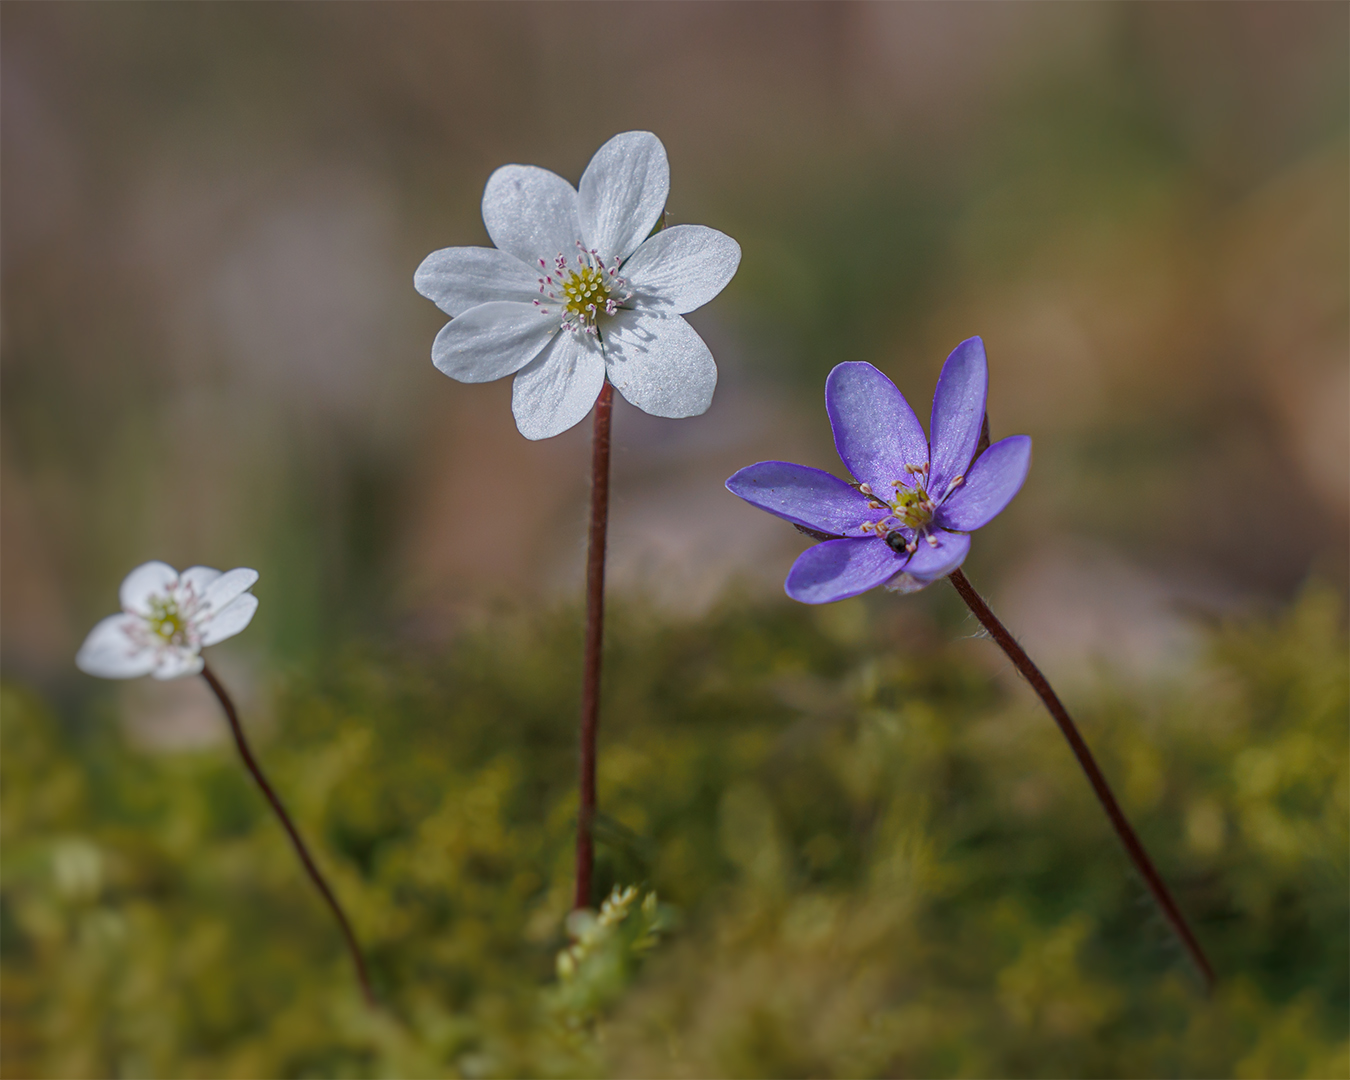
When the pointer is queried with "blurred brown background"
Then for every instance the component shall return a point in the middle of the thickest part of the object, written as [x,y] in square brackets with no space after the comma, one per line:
[212,351]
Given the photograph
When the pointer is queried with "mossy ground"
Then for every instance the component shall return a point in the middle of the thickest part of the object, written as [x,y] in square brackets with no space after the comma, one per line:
[878,862]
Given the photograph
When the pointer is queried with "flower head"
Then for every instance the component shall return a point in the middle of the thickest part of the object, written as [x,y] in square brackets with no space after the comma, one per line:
[576,291]
[906,518]
[167,619]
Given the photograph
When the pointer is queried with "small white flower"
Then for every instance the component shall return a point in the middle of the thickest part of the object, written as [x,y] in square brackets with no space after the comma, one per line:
[576,290]
[167,619]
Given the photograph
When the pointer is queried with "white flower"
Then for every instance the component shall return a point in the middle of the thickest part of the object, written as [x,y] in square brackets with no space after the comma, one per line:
[576,290]
[167,619]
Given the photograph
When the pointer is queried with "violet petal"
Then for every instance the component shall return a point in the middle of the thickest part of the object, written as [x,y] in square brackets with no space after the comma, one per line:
[929,563]
[803,496]
[989,486]
[838,569]
[875,430]
[958,412]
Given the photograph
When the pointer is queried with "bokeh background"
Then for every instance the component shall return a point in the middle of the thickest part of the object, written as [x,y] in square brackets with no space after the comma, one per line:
[212,351]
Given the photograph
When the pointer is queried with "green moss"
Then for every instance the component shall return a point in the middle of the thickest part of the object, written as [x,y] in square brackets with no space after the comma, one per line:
[881,865]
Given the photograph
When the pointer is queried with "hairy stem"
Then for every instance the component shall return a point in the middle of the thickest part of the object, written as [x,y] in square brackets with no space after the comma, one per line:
[1127,835]
[314,875]
[595,619]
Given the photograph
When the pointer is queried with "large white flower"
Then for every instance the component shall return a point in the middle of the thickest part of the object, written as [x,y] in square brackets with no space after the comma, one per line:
[167,619]
[576,290]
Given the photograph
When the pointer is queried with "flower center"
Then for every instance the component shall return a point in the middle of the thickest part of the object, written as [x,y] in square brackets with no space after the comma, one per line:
[913,507]
[581,289]
[166,621]
[585,291]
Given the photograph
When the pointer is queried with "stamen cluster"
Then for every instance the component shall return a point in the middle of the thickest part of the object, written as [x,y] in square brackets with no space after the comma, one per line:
[171,620]
[587,289]
[910,505]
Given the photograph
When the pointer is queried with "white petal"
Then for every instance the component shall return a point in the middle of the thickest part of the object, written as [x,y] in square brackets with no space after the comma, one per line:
[531,213]
[228,586]
[459,278]
[198,579]
[492,340]
[110,652]
[229,620]
[147,580]
[558,389]
[623,192]
[681,268]
[174,663]
[659,363]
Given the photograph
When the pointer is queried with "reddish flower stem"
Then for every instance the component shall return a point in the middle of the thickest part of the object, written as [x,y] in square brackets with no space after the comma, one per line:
[1127,835]
[233,717]
[595,620]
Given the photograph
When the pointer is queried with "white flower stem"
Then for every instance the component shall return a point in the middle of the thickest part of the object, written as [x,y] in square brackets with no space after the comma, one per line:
[595,619]
[300,849]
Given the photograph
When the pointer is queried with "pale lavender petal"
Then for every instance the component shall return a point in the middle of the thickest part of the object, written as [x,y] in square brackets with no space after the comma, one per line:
[804,496]
[491,341]
[229,620]
[197,579]
[226,588]
[838,569]
[875,430]
[681,268]
[623,192]
[906,583]
[175,662]
[928,563]
[460,278]
[958,413]
[558,388]
[147,580]
[112,652]
[989,487]
[531,213]
[659,363]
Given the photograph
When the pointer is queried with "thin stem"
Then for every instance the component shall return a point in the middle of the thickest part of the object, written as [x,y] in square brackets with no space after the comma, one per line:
[230,714]
[1127,835]
[595,620]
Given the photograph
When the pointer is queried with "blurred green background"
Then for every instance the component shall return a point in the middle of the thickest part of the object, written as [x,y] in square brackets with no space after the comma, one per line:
[876,857]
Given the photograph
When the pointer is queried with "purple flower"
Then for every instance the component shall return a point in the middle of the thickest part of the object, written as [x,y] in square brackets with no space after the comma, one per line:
[906,518]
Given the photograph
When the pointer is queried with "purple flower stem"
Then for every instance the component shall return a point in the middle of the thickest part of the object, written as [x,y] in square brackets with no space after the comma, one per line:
[595,620]
[1136,851]
[233,717]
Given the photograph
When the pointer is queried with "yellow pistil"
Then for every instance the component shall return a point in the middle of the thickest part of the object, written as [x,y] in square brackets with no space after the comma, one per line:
[586,292]
[166,621]
[913,507]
